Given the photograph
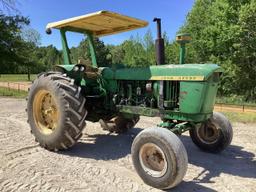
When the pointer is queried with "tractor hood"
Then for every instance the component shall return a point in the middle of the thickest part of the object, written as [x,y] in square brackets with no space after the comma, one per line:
[170,72]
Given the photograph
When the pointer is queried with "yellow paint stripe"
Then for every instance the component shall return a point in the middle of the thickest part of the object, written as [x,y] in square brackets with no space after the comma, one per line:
[177,78]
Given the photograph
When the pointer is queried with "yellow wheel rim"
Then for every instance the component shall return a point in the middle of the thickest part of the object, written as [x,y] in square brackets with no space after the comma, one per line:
[45,112]
[153,160]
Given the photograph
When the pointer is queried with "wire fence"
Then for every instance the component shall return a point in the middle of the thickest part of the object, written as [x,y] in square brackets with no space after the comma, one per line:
[15,86]
[235,107]
[12,89]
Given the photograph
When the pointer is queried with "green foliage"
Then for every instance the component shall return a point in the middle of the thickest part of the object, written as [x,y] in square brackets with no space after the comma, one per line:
[149,46]
[11,44]
[15,77]
[241,117]
[235,100]
[117,54]
[224,32]
[102,53]
[83,51]
[19,48]
[171,52]
[135,52]
[47,57]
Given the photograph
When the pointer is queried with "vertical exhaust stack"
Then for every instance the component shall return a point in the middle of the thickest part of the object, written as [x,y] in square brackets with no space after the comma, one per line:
[160,59]
[159,43]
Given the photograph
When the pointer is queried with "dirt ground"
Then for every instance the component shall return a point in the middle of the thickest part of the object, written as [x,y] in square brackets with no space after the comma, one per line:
[102,161]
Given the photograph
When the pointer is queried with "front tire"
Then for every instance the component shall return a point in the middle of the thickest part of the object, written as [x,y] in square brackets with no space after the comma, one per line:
[214,135]
[159,158]
[56,112]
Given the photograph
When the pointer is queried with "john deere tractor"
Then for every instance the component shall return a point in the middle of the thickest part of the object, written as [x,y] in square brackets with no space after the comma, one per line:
[182,95]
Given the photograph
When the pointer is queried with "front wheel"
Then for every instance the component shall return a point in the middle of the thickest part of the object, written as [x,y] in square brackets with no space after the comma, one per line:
[214,135]
[159,158]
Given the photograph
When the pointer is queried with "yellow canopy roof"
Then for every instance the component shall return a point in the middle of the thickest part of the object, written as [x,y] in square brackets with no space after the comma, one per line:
[99,23]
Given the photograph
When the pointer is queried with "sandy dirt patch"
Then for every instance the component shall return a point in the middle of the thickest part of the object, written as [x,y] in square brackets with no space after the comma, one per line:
[102,161]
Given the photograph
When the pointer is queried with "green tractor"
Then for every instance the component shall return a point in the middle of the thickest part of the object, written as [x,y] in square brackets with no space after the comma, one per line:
[182,95]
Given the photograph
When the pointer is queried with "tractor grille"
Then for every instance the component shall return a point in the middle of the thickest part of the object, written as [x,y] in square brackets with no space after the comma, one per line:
[171,94]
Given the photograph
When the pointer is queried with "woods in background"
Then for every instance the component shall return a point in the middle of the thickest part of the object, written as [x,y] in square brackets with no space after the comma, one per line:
[223,32]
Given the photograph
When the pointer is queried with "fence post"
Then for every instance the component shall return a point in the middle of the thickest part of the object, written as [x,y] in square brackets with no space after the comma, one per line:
[18,87]
[8,86]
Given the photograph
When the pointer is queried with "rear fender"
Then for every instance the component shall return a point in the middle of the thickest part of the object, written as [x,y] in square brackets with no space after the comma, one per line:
[64,68]
[75,72]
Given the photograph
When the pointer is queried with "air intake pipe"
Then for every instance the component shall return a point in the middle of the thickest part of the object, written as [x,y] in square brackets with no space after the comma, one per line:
[183,39]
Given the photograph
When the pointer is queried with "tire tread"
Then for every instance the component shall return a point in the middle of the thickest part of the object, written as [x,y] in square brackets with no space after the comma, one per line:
[74,110]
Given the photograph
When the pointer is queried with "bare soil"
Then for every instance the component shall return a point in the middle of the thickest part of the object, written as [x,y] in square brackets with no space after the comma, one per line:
[102,161]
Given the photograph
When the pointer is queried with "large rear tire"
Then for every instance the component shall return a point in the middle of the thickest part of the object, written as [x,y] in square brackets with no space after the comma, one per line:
[214,135]
[159,158]
[56,111]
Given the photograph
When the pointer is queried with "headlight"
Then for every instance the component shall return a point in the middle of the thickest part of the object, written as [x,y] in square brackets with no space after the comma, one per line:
[82,68]
[76,68]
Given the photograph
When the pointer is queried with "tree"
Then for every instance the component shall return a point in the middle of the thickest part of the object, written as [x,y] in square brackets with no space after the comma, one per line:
[117,53]
[102,53]
[46,58]
[223,31]
[11,43]
[149,46]
[32,39]
[139,52]
[83,51]
[20,50]
[245,54]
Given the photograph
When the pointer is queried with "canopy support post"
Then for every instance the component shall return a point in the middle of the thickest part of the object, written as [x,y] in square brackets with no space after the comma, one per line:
[65,49]
[92,50]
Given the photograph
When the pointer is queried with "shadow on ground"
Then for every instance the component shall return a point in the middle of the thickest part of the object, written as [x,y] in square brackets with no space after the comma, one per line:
[234,160]
[103,147]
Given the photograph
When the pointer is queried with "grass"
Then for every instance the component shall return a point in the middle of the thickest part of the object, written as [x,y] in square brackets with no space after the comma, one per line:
[12,93]
[241,117]
[235,100]
[16,77]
